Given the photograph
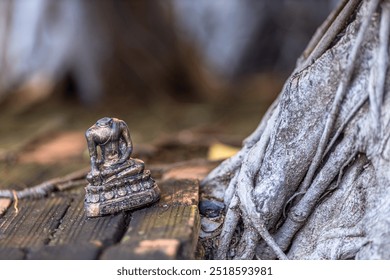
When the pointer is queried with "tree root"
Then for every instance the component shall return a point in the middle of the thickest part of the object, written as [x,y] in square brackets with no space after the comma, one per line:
[221,177]
[327,34]
[260,179]
[231,220]
[301,212]
[340,94]
[45,188]
[378,71]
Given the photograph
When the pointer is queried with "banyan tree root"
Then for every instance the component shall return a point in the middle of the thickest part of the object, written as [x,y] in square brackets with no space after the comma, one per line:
[313,132]
[76,178]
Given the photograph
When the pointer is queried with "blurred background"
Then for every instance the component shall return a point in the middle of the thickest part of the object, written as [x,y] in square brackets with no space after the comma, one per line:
[177,71]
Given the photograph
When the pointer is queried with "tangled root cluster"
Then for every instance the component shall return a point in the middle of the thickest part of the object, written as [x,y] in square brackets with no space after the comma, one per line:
[312,181]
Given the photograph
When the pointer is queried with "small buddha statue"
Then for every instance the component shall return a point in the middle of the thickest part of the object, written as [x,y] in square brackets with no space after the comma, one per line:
[117,182]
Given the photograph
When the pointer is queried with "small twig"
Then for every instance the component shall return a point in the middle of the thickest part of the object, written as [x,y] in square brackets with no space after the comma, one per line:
[16,200]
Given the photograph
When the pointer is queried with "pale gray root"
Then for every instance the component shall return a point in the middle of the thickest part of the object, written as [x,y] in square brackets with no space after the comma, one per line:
[327,33]
[340,94]
[322,123]
[231,221]
[377,220]
[301,212]
[321,31]
[332,142]
[340,176]
[248,242]
[258,150]
[231,189]
[41,190]
[336,229]
[252,219]
[347,120]
[379,69]
[271,243]
[251,237]
[218,180]
[346,243]
[243,200]
[304,208]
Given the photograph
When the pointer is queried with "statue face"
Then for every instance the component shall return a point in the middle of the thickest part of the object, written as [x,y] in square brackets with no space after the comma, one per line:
[104,122]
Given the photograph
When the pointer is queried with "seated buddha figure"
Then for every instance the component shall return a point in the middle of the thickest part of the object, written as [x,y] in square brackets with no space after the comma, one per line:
[116,181]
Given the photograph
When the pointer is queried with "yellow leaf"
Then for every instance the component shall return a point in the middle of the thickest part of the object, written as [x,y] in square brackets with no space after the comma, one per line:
[220,151]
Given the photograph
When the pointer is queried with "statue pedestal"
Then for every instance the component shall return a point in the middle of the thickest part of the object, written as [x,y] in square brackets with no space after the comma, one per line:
[132,187]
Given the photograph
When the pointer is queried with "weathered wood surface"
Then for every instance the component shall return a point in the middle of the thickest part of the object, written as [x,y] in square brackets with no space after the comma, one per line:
[56,228]
[31,226]
[78,237]
[168,230]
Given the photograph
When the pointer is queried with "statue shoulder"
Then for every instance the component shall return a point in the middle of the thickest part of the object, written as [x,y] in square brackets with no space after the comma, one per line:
[90,133]
[122,125]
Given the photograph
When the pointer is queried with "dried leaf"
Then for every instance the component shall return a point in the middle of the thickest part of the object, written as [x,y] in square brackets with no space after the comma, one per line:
[220,151]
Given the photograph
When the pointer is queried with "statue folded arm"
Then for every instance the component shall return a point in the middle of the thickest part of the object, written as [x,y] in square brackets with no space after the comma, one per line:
[127,148]
[92,149]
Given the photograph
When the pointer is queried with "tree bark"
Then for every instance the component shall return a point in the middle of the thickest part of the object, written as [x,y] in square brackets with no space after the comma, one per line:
[312,181]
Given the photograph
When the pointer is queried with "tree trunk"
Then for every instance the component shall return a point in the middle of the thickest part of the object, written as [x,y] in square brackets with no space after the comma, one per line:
[312,181]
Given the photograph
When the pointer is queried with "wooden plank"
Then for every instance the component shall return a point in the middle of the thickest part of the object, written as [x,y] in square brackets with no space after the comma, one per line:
[76,228]
[179,192]
[34,223]
[159,233]
[167,230]
[79,237]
